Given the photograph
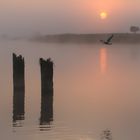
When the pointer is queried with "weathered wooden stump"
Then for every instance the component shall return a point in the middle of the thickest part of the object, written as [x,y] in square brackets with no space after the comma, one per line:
[18,88]
[46,67]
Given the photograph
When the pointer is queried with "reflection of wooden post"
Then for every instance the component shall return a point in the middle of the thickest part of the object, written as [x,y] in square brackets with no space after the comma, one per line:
[46,67]
[18,87]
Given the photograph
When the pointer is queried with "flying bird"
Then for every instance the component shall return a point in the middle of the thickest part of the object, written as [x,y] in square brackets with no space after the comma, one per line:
[108,41]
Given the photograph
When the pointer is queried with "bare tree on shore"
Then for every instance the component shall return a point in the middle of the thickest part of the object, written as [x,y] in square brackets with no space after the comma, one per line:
[106,135]
[134,29]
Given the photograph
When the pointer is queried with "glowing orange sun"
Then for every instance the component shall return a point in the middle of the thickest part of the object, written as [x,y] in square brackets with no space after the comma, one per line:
[103,15]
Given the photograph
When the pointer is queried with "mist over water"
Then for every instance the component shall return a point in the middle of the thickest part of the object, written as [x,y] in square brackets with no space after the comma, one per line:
[95,88]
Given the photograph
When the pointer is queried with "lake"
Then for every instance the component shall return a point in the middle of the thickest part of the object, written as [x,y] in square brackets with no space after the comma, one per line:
[96,88]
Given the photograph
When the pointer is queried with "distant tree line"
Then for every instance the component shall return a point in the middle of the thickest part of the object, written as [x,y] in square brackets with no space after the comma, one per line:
[134,29]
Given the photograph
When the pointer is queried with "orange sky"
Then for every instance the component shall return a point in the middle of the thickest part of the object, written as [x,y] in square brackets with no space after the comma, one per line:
[75,16]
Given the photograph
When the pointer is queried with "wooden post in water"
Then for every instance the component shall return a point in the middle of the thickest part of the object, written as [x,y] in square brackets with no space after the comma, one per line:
[18,89]
[46,68]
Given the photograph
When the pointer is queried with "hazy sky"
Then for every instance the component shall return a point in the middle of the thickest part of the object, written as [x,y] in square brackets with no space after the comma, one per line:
[67,16]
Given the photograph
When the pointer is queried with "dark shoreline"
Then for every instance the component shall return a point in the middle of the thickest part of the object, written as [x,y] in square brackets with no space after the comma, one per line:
[88,38]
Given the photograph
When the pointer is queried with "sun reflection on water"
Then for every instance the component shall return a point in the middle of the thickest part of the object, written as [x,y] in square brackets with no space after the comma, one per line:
[103,60]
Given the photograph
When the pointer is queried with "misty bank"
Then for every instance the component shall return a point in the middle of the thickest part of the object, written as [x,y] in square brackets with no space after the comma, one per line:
[88,38]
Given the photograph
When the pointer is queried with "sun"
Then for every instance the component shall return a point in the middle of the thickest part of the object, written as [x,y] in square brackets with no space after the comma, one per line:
[103,15]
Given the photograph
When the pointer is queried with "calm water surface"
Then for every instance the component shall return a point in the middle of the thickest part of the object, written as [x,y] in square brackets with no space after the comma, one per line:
[95,88]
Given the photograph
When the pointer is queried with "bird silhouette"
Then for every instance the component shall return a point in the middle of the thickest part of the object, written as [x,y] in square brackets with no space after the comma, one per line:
[108,41]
